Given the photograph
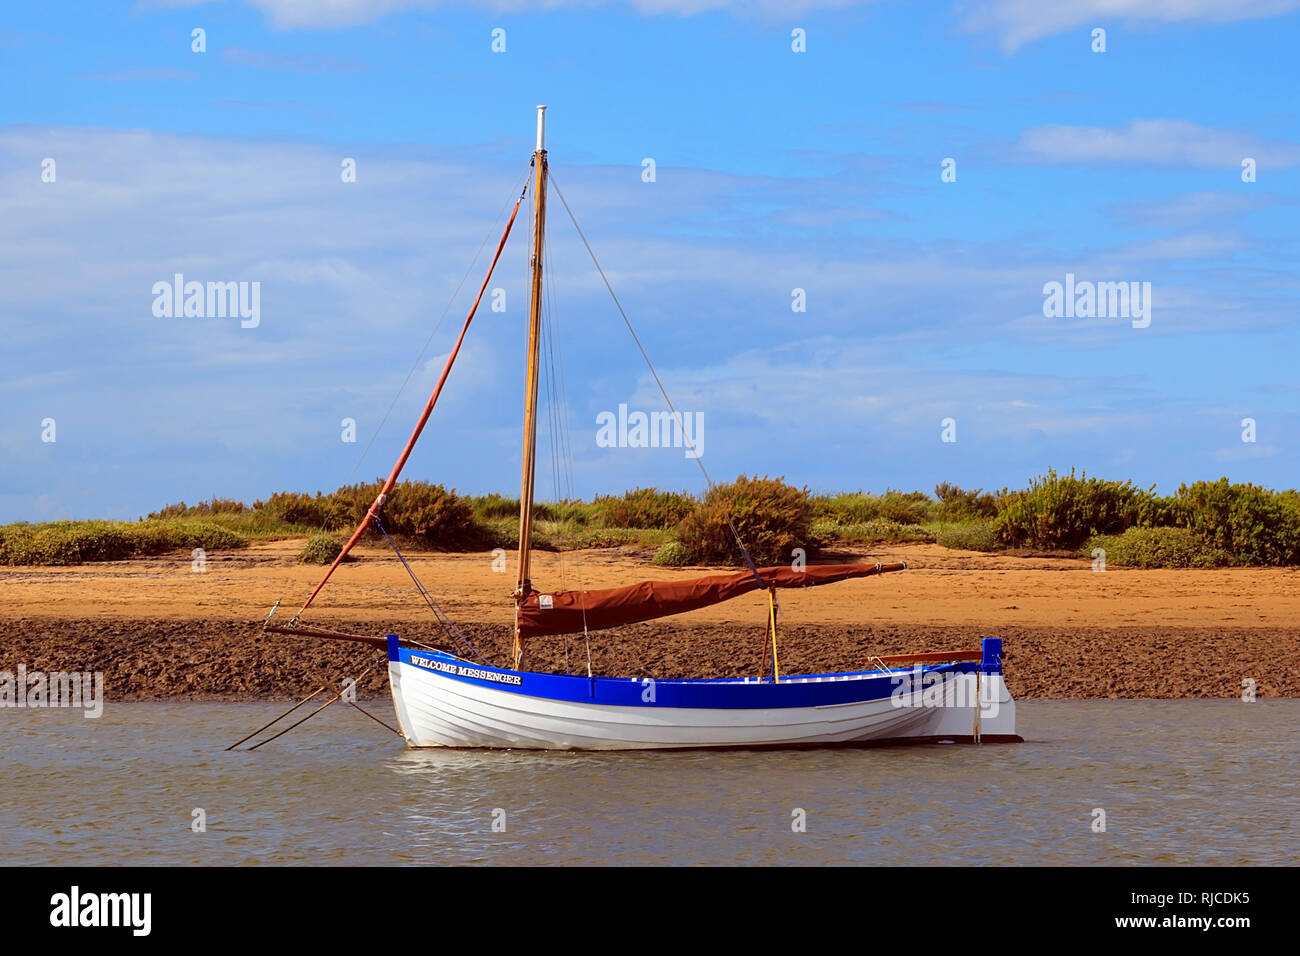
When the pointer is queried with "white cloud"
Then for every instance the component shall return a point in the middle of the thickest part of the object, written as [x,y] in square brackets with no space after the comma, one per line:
[309,14]
[1194,210]
[1156,142]
[1018,22]
[354,277]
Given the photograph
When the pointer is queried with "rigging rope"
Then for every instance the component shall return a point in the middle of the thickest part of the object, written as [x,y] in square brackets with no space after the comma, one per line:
[521,183]
[561,447]
[744,552]
[441,319]
[448,625]
[391,481]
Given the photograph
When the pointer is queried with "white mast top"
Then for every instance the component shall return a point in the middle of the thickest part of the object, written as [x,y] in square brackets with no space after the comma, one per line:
[541,128]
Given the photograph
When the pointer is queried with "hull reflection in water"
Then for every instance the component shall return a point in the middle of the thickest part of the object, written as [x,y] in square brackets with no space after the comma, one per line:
[443,701]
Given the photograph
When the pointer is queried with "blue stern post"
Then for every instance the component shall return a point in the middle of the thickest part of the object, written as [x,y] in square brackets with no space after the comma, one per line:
[991,647]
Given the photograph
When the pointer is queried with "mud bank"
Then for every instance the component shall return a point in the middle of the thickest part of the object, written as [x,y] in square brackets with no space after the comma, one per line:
[145,659]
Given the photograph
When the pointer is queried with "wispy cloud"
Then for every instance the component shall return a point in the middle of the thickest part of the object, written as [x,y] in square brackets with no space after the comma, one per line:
[1166,142]
[308,14]
[1193,210]
[355,276]
[1018,22]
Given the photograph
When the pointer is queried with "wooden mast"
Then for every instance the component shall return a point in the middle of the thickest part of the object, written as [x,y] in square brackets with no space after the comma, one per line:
[530,387]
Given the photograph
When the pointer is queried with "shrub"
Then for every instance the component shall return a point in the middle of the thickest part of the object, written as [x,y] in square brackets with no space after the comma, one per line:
[565,512]
[504,533]
[878,530]
[501,533]
[977,536]
[437,517]
[674,554]
[645,508]
[1060,513]
[906,508]
[493,506]
[771,517]
[614,537]
[955,504]
[1156,511]
[75,542]
[428,513]
[321,549]
[823,531]
[347,506]
[1253,524]
[204,509]
[1157,548]
[294,508]
[844,507]
[165,535]
[913,507]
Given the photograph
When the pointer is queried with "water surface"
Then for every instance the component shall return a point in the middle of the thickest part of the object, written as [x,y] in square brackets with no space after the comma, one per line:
[1181,782]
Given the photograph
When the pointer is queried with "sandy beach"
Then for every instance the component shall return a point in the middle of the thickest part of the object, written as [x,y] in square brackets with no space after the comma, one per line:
[158,629]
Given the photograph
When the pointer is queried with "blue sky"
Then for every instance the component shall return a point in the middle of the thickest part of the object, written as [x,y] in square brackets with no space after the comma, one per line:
[775,170]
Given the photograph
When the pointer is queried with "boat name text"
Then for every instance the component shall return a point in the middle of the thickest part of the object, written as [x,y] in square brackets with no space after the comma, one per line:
[461,670]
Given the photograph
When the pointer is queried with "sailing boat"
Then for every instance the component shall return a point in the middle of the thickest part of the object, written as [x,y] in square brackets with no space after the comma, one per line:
[443,699]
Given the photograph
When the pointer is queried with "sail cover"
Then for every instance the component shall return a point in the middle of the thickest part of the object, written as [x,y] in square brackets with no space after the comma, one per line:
[570,612]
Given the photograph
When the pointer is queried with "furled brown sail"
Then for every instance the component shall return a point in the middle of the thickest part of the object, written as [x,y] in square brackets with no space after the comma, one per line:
[570,612]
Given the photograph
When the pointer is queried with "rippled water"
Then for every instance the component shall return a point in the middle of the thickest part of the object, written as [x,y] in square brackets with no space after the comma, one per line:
[1181,782]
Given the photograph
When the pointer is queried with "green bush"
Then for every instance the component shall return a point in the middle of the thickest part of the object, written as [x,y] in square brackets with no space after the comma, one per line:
[293,508]
[1156,511]
[1253,524]
[166,535]
[615,537]
[674,554]
[435,516]
[956,504]
[579,513]
[204,509]
[428,513]
[1157,548]
[913,507]
[771,517]
[347,506]
[494,506]
[501,533]
[976,536]
[321,549]
[504,533]
[76,542]
[876,531]
[1058,512]
[645,508]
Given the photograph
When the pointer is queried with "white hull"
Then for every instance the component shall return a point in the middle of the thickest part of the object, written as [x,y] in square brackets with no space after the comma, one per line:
[437,711]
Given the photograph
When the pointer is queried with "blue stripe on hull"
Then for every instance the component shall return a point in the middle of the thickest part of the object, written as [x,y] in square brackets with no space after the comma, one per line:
[812,690]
